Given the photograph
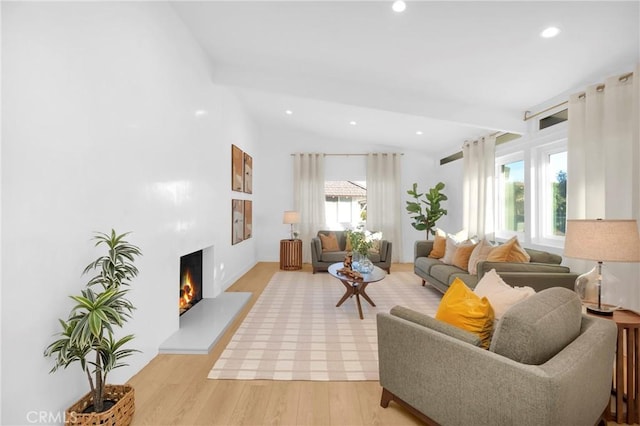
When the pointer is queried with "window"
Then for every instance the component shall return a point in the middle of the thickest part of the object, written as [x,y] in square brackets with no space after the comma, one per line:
[554,119]
[553,193]
[531,187]
[345,204]
[510,195]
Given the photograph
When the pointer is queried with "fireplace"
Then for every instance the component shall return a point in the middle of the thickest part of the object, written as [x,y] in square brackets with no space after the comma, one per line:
[190,280]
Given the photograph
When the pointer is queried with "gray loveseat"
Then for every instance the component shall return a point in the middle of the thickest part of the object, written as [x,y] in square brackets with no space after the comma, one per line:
[542,271]
[547,365]
[320,261]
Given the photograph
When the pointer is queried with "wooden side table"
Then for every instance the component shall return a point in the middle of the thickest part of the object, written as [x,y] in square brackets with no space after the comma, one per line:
[290,255]
[626,385]
[628,323]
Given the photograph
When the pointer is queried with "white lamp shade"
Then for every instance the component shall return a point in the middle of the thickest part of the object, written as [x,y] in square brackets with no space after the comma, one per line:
[602,240]
[291,216]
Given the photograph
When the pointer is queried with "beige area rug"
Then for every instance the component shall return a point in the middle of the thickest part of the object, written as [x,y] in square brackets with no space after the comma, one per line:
[296,332]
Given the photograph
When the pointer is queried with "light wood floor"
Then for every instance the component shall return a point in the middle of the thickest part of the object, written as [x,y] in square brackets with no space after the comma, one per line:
[174,389]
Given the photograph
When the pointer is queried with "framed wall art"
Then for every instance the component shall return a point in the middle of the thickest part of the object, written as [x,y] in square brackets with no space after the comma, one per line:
[237,172]
[237,221]
[248,219]
[248,173]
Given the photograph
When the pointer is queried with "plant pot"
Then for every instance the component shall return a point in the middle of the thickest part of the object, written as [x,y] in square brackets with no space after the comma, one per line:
[120,414]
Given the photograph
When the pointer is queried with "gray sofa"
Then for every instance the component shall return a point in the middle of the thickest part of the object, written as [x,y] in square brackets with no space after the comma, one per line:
[548,364]
[320,261]
[542,271]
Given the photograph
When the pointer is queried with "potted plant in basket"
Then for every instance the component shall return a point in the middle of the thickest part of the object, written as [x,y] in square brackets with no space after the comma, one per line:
[426,220]
[88,335]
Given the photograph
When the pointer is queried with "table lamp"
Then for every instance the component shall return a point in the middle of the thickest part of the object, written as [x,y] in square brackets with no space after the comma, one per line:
[290,217]
[601,240]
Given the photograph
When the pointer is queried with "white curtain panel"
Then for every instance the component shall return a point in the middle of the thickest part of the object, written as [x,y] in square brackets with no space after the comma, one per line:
[602,170]
[384,199]
[308,197]
[479,169]
[603,151]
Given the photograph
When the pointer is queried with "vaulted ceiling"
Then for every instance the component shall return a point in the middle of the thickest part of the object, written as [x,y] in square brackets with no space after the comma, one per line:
[452,70]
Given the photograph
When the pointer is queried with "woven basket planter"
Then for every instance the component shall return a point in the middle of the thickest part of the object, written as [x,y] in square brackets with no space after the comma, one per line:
[120,414]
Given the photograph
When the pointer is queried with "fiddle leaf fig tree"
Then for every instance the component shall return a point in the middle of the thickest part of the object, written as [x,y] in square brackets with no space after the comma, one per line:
[88,335]
[427,208]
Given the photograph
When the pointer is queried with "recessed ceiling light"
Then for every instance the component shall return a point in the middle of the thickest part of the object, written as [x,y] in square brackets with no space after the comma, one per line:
[550,32]
[399,6]
[419,132]
[288,112]
[353,123]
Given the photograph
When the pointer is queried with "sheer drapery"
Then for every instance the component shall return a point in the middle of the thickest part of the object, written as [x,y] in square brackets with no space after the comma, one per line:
[479,169]
[383,198]
[308,197]
[603,159]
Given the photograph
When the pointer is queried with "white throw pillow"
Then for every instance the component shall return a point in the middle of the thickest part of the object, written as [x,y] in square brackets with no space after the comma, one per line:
[449,251]
[459,236]
[479,253]
[500,294]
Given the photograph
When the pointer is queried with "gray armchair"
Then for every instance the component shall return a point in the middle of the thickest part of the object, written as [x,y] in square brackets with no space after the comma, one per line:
[548,364]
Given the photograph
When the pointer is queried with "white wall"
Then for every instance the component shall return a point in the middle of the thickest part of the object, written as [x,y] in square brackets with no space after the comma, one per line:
[424,170]
[451,175]
[273,191]
[109,120]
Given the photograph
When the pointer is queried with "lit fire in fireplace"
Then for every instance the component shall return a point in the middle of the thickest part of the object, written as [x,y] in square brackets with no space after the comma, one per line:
[187,292]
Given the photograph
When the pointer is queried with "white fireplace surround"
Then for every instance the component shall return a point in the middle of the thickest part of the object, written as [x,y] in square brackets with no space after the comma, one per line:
[203,324]
[208,273]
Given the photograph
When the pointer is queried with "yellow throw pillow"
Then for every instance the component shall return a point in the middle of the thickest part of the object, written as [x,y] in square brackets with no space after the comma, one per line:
[348,247]
[501,252]
[439,245]
[462,308]
[462,255]
[329,242]
[510,251]
[518,254]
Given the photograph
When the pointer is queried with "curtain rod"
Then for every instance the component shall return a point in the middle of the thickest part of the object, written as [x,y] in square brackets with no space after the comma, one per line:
[458,155]
[599,88]
[496,134]
[352,155]
[528,117]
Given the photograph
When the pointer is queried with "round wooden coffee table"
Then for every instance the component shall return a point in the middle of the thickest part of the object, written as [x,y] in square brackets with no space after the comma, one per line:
[356,287]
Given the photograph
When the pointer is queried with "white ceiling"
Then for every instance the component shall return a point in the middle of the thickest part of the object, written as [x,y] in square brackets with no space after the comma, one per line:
[451,69]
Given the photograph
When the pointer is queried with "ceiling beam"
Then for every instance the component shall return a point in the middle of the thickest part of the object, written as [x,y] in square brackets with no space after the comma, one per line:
[380,97]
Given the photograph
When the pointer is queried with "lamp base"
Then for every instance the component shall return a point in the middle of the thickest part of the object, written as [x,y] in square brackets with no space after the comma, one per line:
[600,310]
